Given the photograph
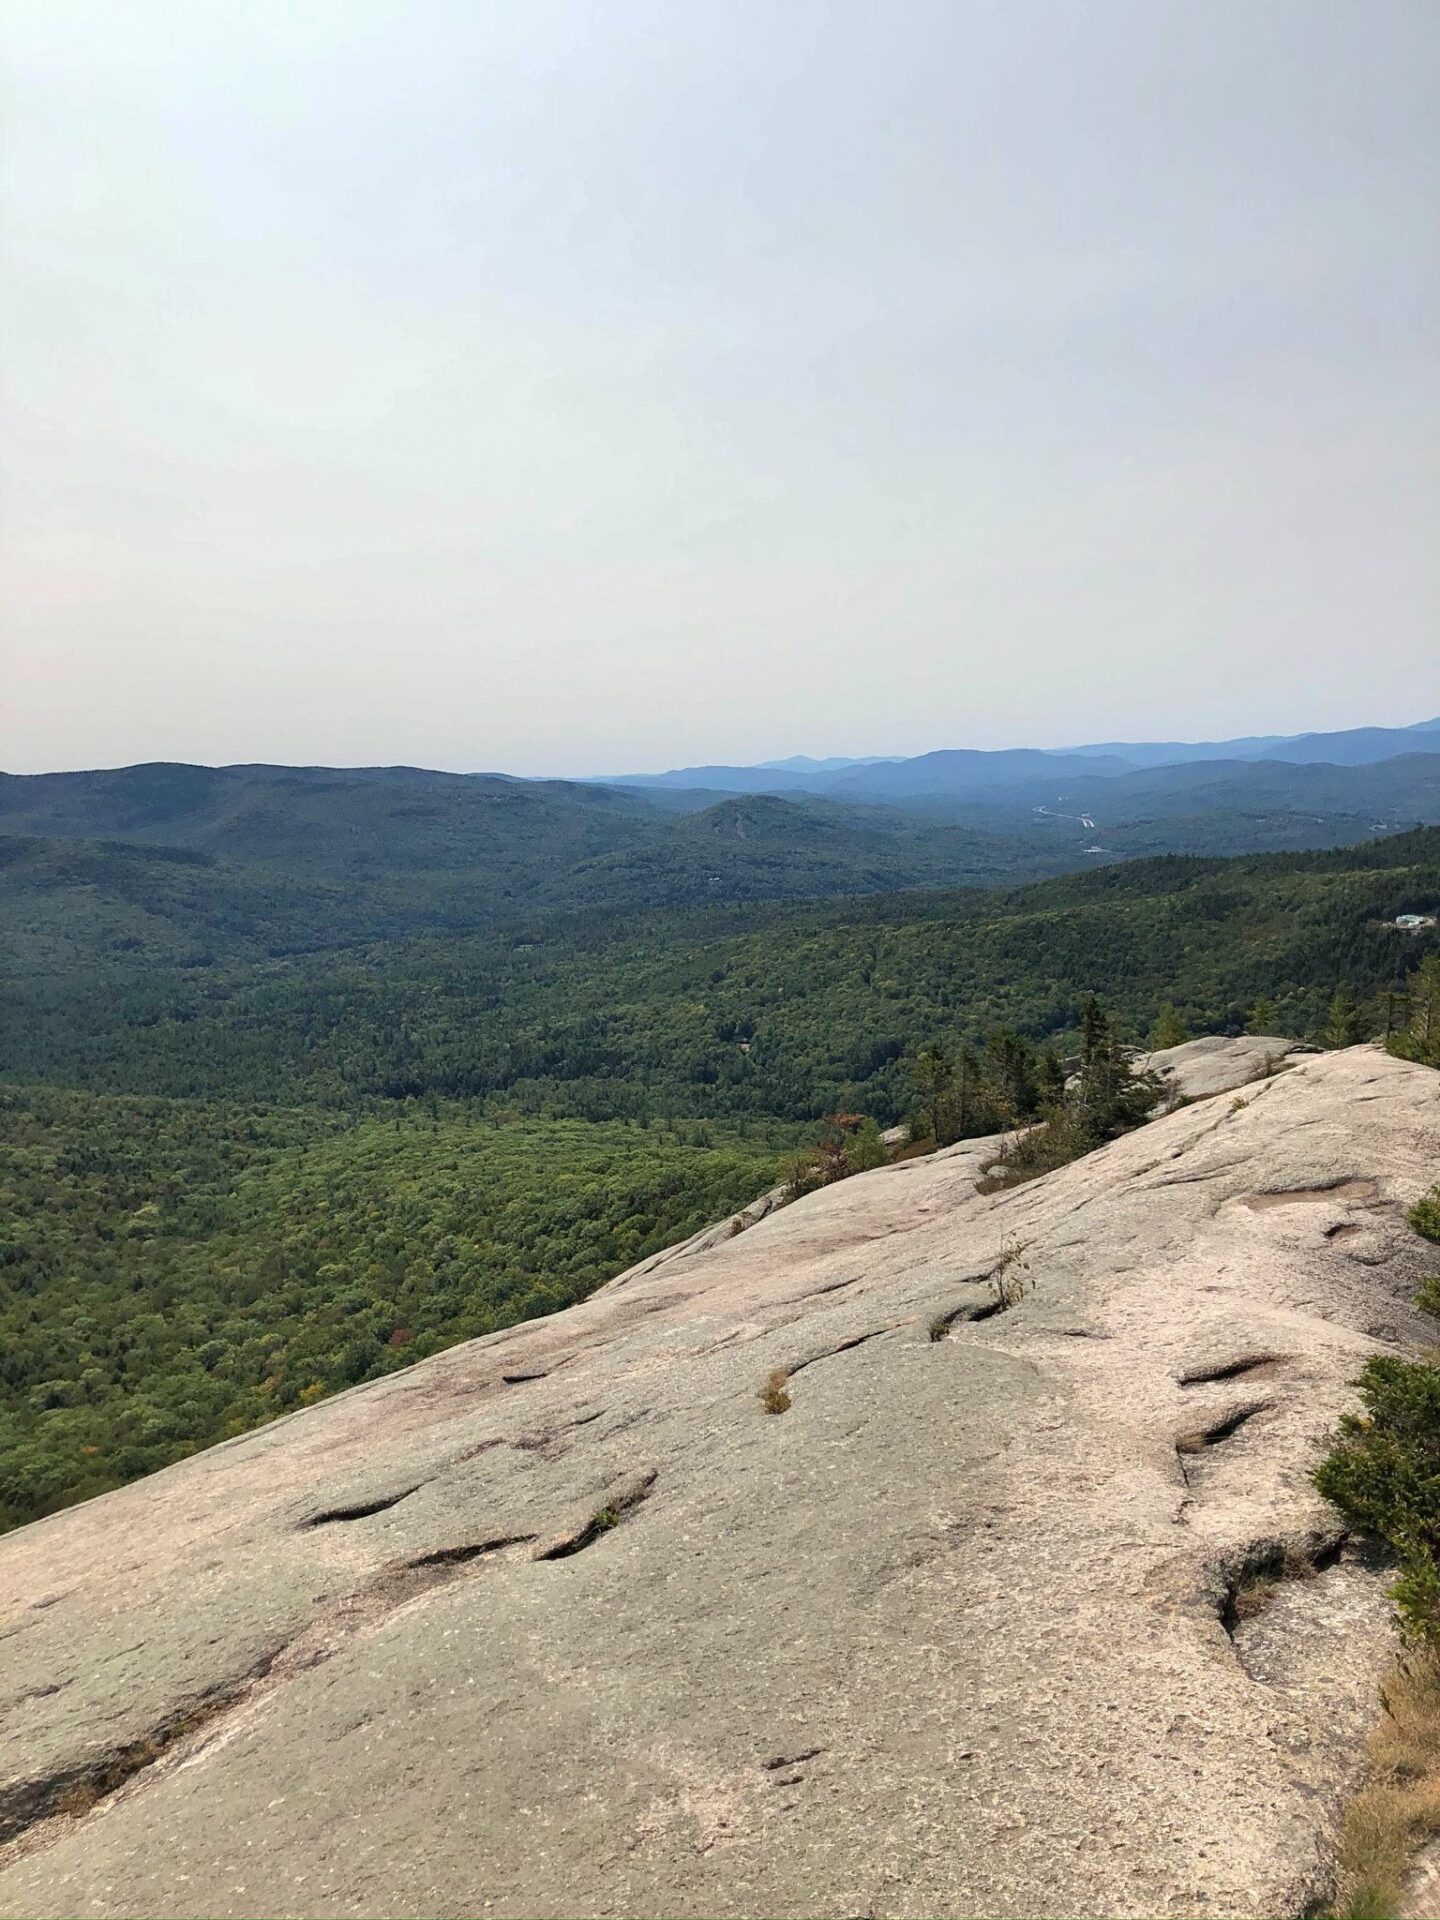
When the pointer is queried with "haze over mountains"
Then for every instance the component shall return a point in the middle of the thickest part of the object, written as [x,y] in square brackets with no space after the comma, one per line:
[307,1075]
[815,1327]
[968,768]
[179,859]
[1120,797]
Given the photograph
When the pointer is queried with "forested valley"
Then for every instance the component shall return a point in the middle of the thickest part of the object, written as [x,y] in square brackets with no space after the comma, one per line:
[273,1125]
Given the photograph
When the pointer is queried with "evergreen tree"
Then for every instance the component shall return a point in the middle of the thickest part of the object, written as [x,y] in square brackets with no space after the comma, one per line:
[1345,1025]
[1418,1036]
[1383,1472]
[866,1149]
[1169,1029]
[932,1077]
[1110,1095]
[1010,1071]
[1050,1081]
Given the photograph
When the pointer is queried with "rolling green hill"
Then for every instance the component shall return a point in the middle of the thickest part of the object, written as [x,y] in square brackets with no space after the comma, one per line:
[320,821]
[775,1009]
[308,1076]
[955,774]
[171,861]
[174,1272]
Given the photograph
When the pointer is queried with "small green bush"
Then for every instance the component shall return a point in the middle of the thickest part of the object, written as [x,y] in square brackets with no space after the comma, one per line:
[1169,1029]
[1424,1216]
[803,1174]
[1383,1473]
[1416,1594]
[773,1397]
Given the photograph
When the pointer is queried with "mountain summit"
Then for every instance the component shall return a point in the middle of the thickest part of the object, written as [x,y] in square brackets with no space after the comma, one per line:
[882,1554]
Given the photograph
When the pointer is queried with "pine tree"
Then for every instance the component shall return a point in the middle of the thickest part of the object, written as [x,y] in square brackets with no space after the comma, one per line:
[1418,1037]
[932,1077]
[1344,1026]
[1169,1029]
[1111,1095]
[1010,1070]
[1050,1081]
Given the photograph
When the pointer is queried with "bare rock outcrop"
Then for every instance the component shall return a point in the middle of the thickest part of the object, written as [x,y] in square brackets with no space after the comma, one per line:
[1025,1605]
[1212,1064]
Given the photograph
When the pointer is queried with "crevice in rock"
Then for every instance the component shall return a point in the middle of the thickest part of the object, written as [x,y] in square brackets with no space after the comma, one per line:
[549,1442]
[1360,1191]
[603,1520]
[942,1322]
[469,1550]
[361,1511]
[1194,1179]
[843,1346]
[1247,1582]
[784,1760]
[966,1314]
[1230,1369]
[1200,1439]
[969,1313]
[45,1692]
[70,1792]
[835,1286]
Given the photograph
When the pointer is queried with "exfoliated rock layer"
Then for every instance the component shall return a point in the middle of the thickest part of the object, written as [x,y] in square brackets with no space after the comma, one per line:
[1020,1603]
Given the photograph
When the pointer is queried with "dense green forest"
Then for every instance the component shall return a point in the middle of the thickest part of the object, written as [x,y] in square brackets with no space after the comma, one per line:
[187,865]
[781,1011]
[172,1272]
[273,1126]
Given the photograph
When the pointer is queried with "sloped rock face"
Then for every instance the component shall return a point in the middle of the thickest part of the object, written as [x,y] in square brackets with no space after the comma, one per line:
[563,1622]
[1199,1068]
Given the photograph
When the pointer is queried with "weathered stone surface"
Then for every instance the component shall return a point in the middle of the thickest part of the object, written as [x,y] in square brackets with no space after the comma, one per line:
[561,1622]
[1213,1064]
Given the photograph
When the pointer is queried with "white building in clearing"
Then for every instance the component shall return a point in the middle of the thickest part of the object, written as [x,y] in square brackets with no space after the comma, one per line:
[1413,922]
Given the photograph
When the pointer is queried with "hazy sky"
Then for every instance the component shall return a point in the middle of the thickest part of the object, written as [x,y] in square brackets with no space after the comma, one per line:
[565,387]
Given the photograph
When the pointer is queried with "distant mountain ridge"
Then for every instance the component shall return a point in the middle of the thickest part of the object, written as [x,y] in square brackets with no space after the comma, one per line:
[175,857]
[950,770]
[802,763]
[165,859]
[1119,798]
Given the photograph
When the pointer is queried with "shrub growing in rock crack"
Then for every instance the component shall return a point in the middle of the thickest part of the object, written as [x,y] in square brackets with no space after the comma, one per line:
[1424,1216]
[1383,1473]
[773,1397]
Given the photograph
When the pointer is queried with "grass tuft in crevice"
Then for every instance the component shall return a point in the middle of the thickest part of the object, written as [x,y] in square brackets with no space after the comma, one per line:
[773,1397]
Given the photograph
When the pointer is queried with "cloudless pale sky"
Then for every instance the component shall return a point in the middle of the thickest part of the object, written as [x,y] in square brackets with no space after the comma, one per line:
[567,385]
